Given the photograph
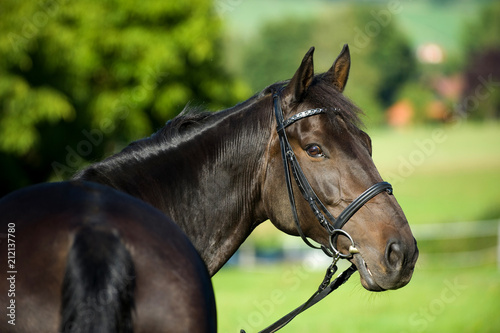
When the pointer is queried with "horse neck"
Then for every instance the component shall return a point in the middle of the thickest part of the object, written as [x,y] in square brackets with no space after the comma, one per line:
[209,184]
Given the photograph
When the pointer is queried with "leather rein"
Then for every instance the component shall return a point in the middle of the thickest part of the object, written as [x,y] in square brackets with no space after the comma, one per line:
[331,224]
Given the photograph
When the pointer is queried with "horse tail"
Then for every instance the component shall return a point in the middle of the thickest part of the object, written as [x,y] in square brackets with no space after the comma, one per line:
[99,283]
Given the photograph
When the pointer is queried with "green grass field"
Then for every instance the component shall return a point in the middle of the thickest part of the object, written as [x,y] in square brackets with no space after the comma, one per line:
[442,174]
[453,175]
[434,301]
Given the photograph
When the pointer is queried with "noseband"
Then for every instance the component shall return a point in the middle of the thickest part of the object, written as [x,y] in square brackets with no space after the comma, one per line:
[331,224]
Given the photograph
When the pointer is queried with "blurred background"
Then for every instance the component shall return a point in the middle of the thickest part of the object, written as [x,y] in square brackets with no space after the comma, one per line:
[79,80]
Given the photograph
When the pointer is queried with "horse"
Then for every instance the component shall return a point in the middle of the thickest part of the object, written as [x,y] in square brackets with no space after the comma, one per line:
[219,175]
[88,258]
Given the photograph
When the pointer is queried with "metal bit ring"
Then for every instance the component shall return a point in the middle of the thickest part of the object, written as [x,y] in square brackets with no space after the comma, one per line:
[352,248]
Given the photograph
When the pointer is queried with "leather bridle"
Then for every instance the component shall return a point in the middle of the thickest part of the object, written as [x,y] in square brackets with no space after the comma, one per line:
[331,224]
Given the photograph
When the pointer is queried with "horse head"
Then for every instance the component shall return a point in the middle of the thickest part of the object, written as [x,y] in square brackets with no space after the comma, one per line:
[322,128]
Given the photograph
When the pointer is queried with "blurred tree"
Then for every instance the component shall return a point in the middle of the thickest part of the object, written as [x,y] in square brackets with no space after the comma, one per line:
[381,55]
[276,53]
[79,79]
[482,33]
[420,97]
[481,97]
[389,51]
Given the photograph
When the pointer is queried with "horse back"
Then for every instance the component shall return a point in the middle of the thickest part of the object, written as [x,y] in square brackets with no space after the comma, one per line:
[171,292]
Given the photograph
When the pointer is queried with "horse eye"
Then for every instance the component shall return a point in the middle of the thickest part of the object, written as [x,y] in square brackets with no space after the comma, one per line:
[314,151]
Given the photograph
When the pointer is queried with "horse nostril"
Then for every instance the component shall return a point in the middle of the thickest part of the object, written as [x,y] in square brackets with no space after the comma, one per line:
[394,255]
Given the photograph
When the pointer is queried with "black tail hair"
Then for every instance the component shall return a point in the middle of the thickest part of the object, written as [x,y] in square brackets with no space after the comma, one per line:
[99,284]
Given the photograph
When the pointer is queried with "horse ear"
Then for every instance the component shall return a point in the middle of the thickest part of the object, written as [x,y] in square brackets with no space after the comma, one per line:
[339,72]
[302,79]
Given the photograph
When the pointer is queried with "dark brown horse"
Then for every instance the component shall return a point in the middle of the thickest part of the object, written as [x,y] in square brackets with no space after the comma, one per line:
[87,258]
[218,176]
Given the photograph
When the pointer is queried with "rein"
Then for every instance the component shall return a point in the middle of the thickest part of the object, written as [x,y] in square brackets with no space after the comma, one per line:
[331,224]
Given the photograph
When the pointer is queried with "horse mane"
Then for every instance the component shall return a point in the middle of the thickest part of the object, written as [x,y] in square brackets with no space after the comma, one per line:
[341,106]
[192,119]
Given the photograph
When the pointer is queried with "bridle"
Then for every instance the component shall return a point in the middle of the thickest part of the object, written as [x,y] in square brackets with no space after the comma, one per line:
[331,224]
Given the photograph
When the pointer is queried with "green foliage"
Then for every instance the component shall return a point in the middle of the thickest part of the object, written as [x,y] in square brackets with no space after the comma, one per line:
[117,69]
[24,108]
